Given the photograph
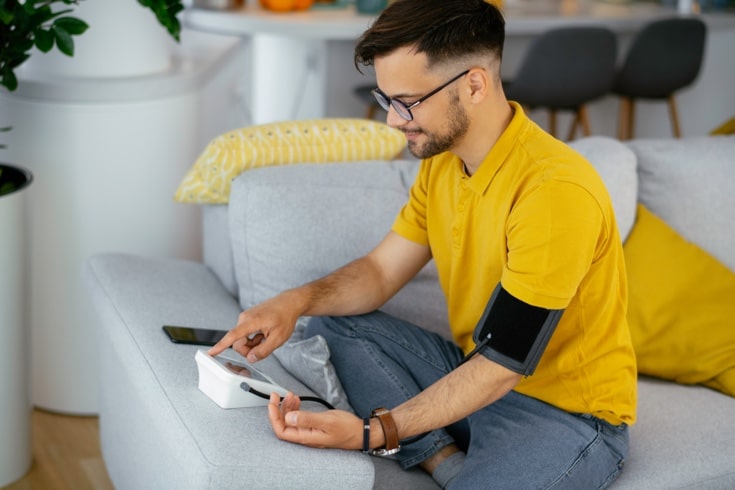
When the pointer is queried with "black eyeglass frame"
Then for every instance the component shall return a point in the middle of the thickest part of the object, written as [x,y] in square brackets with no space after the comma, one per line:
[386,102]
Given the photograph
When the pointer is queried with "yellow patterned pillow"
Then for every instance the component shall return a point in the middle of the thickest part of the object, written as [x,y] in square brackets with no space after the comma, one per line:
[310,141]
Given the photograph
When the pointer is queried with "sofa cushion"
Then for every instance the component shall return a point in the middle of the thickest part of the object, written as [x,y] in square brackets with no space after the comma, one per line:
[680,307]
[316,140]
[616,164]
[291,225]
[157,429]
[689,184]
[682,439]
[217,245]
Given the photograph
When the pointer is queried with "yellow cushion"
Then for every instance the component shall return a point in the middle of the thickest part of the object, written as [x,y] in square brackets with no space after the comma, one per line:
[728,127]
[681,309]
[313,141]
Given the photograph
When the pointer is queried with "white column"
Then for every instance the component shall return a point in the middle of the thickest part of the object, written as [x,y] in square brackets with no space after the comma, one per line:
[288,78]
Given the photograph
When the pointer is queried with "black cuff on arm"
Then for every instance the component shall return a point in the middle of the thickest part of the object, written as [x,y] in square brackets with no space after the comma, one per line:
[514,333]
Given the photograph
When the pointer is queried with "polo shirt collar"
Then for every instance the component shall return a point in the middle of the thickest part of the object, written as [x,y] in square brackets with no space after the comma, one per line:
[480,181]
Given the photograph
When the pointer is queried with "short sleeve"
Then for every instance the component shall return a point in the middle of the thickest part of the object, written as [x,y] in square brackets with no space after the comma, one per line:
[411,220]
[553,235]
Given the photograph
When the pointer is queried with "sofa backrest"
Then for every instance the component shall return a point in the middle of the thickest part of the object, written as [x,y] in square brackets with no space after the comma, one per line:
[690,184]
[287,225]
[293,224]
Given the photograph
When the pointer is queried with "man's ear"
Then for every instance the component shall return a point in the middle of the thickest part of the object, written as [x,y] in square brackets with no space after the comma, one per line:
[480,83]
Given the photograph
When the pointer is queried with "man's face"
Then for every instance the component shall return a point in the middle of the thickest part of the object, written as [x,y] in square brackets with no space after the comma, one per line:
[440,122]
[432,142]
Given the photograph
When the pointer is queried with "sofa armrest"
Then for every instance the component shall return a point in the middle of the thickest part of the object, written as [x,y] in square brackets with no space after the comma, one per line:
[157,429]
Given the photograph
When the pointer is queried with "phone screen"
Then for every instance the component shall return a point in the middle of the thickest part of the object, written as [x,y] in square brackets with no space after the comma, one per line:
[196,336]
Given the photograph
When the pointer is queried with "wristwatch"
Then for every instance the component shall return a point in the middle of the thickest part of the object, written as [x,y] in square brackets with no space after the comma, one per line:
[392,444]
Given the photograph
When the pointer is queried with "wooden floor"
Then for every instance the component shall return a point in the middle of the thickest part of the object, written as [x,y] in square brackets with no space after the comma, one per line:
[66,455]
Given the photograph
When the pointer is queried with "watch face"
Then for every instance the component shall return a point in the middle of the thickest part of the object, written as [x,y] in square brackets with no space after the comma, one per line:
[385,452]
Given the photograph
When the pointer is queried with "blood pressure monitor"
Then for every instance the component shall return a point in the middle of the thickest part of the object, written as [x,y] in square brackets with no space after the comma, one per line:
[227,379]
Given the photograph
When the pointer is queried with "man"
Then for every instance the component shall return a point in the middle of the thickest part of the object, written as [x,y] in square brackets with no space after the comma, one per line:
[529,257]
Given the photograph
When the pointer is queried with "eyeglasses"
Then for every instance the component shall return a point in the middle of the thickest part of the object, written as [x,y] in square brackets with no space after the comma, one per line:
[403,109]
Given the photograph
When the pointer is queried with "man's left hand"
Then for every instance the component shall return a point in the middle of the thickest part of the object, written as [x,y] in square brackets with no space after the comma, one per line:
[332,429]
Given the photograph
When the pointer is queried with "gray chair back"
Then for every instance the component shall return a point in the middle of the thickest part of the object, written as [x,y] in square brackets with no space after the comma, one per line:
[666,55]
[565,68]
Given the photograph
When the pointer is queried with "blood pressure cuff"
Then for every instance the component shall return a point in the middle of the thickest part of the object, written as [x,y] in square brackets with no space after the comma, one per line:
[513,333]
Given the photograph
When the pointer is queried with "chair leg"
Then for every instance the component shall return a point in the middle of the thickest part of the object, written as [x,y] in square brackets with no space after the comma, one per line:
[626,118]
[674,117]
[573,127]
[552,122]
[584,121]
[580,120]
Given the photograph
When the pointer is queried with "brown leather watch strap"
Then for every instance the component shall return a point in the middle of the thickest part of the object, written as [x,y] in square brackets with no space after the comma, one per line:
[390,431]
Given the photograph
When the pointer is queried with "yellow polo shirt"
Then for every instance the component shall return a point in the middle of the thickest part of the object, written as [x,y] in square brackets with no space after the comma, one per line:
[537,218]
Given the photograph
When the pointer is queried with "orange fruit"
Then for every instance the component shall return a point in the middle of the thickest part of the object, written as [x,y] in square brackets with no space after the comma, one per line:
[278,5]
[286,5]
[303,4]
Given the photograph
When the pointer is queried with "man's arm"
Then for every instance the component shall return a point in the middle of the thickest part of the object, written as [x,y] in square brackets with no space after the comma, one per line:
[470,387]
[359,287]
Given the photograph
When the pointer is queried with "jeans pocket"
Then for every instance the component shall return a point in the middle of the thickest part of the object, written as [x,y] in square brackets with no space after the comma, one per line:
[616,437]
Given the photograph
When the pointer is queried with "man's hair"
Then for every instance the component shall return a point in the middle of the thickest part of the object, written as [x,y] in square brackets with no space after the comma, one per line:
[445,30]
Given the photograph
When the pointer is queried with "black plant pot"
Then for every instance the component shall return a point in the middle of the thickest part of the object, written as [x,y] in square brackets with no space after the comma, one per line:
[13,179]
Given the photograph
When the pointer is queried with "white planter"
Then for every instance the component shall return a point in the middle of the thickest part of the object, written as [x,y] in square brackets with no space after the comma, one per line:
[15,402]
[107,155]
[124,39]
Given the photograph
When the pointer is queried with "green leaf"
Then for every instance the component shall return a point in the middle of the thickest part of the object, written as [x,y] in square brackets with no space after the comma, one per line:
[44,40]
[19,59]
[72,25]
[63,40]
[6,188]
[40,15]
[8,80]
[166,11]
[6,17]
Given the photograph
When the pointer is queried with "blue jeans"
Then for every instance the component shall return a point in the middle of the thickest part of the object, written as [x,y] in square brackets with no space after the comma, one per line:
[517,442]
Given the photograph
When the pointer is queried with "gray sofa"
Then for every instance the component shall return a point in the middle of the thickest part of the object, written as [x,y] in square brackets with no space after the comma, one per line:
[286,225]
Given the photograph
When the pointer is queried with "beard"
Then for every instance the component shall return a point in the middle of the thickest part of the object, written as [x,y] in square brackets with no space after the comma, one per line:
[458,123]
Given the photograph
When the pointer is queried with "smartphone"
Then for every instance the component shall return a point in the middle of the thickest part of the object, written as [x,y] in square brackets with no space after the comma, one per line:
[195,336]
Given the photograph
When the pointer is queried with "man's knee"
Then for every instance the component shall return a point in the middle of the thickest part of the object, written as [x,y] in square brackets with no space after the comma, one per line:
[326,326]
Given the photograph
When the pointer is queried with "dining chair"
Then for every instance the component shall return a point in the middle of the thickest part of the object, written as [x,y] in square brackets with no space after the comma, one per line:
[564,69]
[664,57]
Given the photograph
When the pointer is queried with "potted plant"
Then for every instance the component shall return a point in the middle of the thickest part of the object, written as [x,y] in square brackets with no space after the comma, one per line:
[43,24]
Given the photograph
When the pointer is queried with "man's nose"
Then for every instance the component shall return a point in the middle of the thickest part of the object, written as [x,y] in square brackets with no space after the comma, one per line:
[393,119]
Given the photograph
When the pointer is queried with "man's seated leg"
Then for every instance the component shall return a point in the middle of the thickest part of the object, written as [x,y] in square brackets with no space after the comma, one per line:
[383,361]
[521,442]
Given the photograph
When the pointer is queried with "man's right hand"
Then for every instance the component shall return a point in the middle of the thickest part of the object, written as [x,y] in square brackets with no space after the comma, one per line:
[261,329]
[360,286]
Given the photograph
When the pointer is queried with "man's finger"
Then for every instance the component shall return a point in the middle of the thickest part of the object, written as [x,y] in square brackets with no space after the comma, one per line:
[263,349]
[275,415]
[290,402]
[225,342]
